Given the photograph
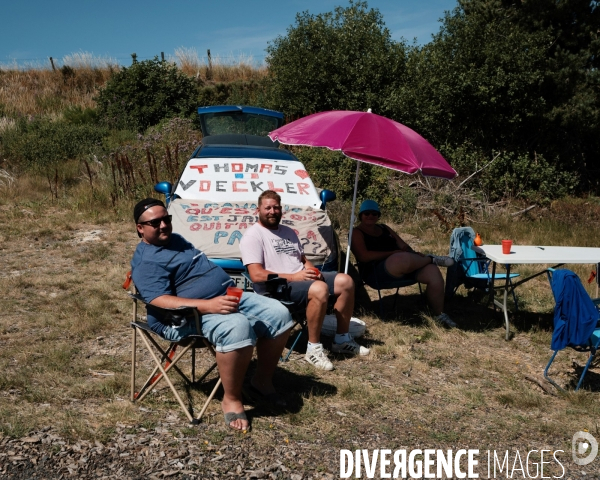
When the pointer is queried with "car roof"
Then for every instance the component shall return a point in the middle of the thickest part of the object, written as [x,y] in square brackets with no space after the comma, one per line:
[240,109]
[243,151]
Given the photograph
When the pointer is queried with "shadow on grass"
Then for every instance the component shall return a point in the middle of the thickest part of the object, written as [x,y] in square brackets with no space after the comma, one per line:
[591,382]
[293,387]
[472,312]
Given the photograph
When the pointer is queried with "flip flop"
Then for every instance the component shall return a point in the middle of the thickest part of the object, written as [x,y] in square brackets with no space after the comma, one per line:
[273,399]
[231,416]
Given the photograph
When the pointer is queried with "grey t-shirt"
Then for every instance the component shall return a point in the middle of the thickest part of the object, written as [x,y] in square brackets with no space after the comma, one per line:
[178,269]
[278,251]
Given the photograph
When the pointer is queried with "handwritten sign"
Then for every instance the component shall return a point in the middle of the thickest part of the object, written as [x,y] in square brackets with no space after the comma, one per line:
[242,180]
[216,228]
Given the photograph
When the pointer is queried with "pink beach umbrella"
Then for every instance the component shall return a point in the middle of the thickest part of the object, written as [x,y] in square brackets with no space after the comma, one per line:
[366,137]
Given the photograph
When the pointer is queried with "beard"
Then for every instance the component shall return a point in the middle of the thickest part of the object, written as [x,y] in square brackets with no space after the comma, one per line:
[270,221]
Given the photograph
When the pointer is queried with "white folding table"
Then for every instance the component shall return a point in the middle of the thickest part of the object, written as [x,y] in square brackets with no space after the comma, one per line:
[527,254]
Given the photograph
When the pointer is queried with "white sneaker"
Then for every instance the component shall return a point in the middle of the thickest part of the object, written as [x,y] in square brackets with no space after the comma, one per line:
[442,261]
[350,348]
[318,359]
[445,320]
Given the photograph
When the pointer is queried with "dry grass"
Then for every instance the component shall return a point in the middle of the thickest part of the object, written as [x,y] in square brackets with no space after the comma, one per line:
[37,89]
[65,319]
[219,69]
[43,91]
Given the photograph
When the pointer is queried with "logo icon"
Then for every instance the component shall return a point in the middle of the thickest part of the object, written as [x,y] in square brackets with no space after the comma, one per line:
[585,448]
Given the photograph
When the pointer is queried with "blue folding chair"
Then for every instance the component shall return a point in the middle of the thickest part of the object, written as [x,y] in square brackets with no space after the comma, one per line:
[576,319]
[471,266]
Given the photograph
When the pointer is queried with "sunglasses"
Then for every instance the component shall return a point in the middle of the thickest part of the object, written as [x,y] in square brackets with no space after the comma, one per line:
[155,222]
[371,213]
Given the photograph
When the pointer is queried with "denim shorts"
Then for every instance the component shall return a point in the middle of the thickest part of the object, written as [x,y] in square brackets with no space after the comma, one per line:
[258,317]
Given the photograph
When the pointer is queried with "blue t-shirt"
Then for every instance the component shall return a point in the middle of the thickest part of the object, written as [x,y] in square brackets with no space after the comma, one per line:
[177,269]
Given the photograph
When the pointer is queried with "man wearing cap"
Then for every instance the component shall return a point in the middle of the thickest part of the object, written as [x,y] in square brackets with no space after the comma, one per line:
[269,247]
[384,257]
[169,272]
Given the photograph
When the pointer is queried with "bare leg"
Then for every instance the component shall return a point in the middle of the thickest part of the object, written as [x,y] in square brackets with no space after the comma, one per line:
[318,294]
[402,263]
[268,351]
[232,369]
[343,288]
[431,276]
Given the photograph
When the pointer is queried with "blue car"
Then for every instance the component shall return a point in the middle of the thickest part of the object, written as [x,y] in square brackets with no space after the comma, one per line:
[215,199]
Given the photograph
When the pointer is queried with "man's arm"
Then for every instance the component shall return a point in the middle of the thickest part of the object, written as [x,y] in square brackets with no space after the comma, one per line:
[253,257]
[259,274]
[223,304]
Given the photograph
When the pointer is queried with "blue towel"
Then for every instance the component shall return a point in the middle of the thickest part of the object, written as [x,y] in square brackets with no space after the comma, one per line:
[575,315]
[456,251]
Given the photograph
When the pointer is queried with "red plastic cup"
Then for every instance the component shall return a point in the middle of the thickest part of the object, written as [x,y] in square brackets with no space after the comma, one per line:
[315,271]
[506,244]
[235,292]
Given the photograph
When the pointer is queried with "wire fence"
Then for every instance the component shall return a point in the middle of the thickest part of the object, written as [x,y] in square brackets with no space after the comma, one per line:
[88,60]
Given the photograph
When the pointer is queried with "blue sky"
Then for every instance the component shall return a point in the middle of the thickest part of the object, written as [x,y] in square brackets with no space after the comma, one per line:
[33,30]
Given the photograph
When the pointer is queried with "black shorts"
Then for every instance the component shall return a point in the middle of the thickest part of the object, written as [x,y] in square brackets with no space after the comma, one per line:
[379,274]
[299,290]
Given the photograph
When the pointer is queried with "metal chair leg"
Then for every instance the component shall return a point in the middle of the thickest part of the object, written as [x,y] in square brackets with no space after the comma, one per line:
[293,345]
[587,365]
[546,372]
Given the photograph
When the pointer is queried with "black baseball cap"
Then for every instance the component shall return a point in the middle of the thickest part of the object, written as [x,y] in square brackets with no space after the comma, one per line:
[144,205]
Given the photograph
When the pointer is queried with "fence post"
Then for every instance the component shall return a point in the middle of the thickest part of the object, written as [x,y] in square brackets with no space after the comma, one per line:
[209,71]
[52,63]
[134,57]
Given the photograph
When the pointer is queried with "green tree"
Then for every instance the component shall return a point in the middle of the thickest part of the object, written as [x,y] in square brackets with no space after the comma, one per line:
[344,59]
[143,94]
[478,81]
[520,77]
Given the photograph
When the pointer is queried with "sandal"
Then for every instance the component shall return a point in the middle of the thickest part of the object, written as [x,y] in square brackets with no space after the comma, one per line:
[231,416]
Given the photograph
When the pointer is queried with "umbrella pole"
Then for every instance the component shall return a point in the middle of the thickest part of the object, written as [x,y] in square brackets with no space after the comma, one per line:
[352,217]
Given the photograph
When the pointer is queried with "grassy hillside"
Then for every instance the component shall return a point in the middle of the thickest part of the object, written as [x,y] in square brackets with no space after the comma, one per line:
[66,239]
[65,362]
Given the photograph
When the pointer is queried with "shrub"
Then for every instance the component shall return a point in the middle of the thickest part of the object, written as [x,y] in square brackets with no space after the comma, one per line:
[344,59]
[77,115]
[512,175]
[158,155]
[40,144]
[140,96]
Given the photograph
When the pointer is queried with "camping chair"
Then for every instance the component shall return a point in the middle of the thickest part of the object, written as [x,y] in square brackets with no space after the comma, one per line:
[576,319]
[380,285]
[167,359]
[471,266]
[277,288]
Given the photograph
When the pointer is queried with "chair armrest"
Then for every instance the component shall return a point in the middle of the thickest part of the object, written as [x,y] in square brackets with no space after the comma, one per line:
[470,260]
[278,288]
[174,316]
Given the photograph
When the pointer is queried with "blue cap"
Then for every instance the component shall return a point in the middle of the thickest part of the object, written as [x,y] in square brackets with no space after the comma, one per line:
[368,205]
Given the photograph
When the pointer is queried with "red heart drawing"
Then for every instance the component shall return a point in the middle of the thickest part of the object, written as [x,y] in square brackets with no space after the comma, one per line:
[302,174]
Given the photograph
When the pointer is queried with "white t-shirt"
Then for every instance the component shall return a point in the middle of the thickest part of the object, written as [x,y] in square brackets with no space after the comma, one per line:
[278,251]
